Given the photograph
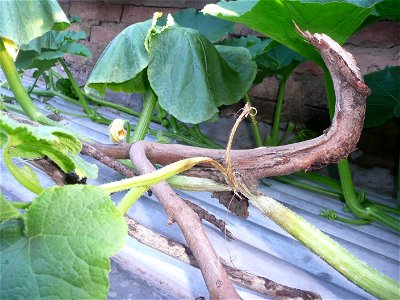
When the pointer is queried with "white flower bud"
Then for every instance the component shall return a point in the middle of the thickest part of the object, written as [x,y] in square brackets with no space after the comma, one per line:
[117,131]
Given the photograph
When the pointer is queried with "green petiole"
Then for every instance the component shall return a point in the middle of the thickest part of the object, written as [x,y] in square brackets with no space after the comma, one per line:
[155,177]
[149,103]
[8,66]
[278,111]
[130,198]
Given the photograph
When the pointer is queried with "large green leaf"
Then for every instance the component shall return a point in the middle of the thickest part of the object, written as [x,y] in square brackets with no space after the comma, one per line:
[122,65]
[338,19]
[30,142]
[22,21]
[212,28]
[384,101]
[64,251]
[192,79]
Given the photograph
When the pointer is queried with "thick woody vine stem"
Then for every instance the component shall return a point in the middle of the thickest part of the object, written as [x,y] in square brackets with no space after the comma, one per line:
[337,142]
[216,279]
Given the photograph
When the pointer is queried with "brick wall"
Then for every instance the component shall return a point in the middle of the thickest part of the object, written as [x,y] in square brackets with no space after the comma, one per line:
[374,47]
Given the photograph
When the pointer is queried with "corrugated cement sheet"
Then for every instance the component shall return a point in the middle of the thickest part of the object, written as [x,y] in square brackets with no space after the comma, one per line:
[261,247]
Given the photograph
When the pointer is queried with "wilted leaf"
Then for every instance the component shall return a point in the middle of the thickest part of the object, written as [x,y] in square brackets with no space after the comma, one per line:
[192,79]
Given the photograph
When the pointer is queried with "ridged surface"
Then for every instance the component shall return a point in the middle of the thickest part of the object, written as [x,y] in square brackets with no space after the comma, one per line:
[261,247]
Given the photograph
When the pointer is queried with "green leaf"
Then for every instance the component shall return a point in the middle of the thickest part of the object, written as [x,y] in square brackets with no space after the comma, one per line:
[7,211]
[384,101]
[192,79]
[43,52]
[389,9]
[211,27]
[21,23]
[122,65]
[30,142]
[274,18]
[84,169]
[11,231]
[70,233]
[254,44]
[279,60]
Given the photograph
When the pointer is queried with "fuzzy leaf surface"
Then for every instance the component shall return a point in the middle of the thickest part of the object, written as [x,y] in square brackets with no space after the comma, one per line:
[384,101]
[63,253]
[274,18]
[192,78]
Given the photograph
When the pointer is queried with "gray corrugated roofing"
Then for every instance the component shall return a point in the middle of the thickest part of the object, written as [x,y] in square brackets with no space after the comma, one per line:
[261,247]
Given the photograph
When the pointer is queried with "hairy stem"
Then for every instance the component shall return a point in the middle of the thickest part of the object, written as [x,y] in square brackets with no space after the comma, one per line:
[366,277]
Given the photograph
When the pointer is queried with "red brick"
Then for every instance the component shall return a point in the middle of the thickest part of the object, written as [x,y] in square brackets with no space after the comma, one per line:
[105,33]
[85,25]
[309,67]
[64,7]
[96,11]
[377,35]
[199,4]
[134,14]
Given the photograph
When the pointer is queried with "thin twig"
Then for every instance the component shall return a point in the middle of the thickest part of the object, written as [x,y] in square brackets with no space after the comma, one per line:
[89,150]
[210,218]
[245,279]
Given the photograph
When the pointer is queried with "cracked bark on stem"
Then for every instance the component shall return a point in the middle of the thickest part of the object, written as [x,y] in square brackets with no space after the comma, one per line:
[216,279]
[337,142]
[256,283]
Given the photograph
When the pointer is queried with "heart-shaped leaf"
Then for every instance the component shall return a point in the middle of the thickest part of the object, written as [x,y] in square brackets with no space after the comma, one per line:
[63,251]
[192,79]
